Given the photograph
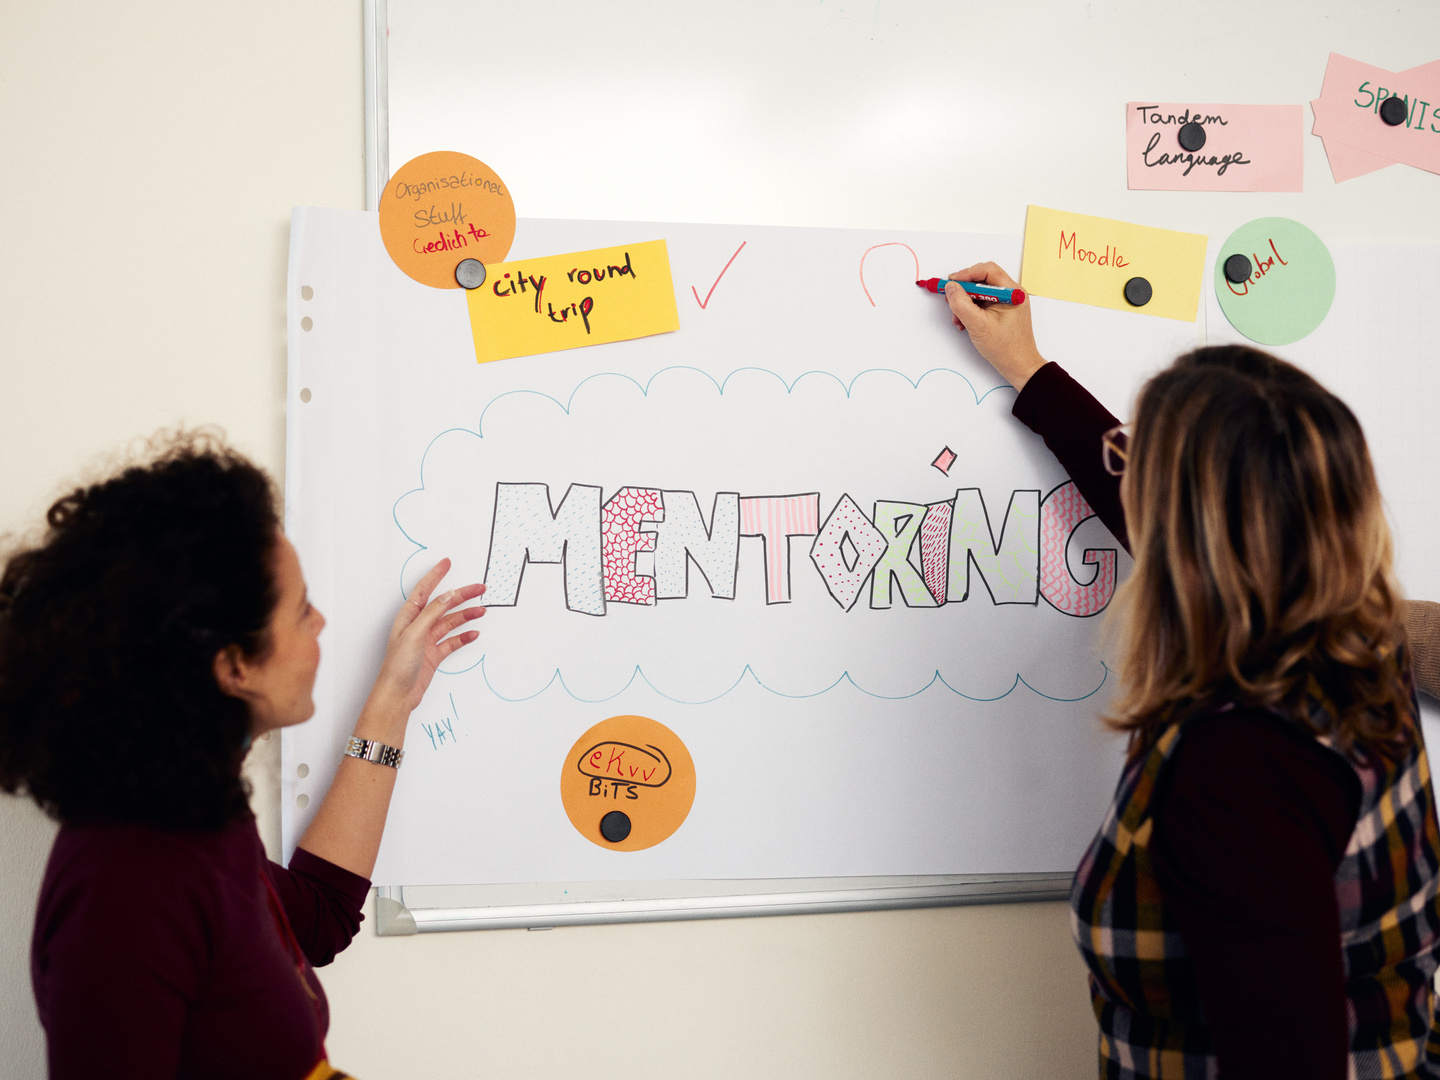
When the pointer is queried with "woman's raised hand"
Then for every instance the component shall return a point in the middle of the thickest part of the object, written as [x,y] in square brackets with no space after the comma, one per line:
[1001,333]
[346,830]
[418,637]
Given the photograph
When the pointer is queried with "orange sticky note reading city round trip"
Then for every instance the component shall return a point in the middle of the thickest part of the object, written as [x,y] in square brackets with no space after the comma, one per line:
[627,783]
[442,208]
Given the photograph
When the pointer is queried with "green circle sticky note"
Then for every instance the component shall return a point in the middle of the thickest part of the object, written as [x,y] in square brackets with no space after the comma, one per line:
[1291,283]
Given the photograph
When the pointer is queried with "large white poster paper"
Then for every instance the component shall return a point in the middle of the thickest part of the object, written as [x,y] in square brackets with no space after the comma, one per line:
[803,532]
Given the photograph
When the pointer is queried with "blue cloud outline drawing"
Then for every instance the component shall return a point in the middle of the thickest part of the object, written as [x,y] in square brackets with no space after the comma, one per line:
[638,673]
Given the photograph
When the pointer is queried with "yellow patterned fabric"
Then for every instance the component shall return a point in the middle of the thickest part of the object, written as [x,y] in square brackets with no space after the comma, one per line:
[326,1071]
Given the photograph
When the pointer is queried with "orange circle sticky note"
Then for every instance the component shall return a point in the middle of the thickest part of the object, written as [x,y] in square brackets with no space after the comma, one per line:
[628,783]
[442,208]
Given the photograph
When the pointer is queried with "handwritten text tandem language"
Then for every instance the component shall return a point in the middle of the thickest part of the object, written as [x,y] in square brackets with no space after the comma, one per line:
[1219,164]
[521,283]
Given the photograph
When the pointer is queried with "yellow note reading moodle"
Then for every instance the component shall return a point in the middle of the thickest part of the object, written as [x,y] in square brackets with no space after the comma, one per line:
[555,302]
[1090,260]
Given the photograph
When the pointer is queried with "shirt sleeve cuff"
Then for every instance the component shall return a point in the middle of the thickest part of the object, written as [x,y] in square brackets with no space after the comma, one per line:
[1048,393]
[347,884]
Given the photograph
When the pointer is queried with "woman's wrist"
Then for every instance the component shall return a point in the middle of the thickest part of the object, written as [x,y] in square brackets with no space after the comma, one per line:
[1021,372]
[384,719]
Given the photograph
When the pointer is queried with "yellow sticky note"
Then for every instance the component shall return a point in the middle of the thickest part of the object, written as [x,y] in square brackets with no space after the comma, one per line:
[556,302]
[1090,259]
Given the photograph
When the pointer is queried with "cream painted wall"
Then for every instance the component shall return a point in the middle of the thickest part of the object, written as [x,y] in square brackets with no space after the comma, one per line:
[151,154]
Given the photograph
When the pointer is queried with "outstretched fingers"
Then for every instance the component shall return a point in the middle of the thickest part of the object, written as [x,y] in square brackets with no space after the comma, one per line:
[419,597]
[455,597]
[454,620]
[459,641]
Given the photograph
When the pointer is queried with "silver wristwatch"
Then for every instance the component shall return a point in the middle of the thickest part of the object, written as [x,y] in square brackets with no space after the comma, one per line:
[370,750]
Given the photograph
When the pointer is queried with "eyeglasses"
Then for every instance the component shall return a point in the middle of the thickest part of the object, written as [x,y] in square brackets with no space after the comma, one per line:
[1113,449]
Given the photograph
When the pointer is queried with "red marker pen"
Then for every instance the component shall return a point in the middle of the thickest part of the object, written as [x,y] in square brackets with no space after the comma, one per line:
[979,292]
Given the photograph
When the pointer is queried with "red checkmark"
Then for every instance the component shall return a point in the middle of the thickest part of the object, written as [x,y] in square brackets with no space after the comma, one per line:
[711,293]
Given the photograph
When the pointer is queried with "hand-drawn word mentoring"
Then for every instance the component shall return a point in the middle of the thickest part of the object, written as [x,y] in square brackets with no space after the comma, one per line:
[928,555]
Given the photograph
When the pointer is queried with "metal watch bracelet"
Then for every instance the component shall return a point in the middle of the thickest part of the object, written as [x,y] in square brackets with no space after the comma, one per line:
[377,752]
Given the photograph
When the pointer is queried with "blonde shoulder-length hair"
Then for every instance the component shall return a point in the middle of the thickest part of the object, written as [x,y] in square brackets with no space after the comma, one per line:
[1262,558]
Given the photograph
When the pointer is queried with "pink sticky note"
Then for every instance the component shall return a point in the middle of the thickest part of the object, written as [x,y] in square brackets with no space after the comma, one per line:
[1247,147]
[1347,117]
[1346,162]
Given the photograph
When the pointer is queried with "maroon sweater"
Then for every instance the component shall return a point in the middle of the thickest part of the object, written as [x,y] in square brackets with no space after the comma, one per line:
[1251,821]
[157,954]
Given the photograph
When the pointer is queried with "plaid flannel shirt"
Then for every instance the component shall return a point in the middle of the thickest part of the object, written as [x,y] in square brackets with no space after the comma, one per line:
[1142,982]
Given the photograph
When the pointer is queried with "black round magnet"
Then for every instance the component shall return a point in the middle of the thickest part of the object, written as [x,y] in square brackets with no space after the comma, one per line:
[1137,292]
[1192,136]
[1393,111]
[470,273]
[615,826]
[1237,269]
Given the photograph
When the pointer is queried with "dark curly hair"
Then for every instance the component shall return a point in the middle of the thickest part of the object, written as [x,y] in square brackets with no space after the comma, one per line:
[109,708]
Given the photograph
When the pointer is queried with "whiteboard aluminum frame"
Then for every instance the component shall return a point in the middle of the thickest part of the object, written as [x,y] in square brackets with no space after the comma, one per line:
[377,102]
[395,918]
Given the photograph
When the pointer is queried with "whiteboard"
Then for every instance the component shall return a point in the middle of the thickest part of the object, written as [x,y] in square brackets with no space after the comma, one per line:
[878,114]
[835,734]
[856,115]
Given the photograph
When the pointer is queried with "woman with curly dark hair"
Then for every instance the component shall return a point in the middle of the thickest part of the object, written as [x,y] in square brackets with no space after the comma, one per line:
[1263,898]
[158,627]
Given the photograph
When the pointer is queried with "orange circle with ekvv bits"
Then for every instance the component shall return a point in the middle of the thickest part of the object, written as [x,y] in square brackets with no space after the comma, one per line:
[628,783]
[442,208]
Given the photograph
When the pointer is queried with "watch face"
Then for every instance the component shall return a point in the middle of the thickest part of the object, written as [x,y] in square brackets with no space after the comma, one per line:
[628,783]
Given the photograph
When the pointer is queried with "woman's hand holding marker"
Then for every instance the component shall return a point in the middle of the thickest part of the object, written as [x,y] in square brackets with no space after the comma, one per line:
[1001,333]
[977,291]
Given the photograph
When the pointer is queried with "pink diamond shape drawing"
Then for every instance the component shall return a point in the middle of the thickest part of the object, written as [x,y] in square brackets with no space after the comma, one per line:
[944,460]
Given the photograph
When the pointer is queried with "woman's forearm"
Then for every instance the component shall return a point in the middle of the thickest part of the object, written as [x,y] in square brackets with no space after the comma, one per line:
[350,821]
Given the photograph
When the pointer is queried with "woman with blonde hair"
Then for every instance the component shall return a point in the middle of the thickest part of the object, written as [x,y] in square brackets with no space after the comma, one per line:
[1261,898]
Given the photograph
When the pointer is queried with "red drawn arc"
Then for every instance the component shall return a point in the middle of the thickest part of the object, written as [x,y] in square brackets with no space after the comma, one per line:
[892,243]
